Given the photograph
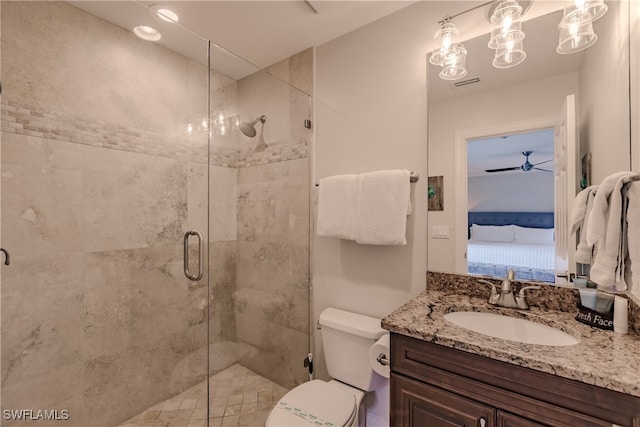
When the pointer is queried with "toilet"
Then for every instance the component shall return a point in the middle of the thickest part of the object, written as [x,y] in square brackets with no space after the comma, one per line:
[346,339]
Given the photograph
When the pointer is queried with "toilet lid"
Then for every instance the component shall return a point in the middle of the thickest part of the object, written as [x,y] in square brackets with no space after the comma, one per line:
[314,403]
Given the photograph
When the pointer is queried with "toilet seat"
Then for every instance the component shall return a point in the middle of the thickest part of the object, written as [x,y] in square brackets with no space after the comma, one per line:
[314,403]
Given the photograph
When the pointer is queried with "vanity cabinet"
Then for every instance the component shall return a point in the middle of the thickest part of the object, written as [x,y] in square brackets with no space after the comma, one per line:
[437,386]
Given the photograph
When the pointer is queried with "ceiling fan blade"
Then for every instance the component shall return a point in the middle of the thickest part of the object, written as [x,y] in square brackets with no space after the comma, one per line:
[503,169]
[540,169]
[546,161]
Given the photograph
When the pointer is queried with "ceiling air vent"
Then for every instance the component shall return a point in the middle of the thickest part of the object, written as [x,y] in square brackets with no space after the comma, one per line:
[466,82]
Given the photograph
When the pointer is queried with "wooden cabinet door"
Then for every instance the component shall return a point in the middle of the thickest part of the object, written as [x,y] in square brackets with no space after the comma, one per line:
[506,419]
[415,404]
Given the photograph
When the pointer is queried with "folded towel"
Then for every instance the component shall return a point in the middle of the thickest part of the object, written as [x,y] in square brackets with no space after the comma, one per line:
[337,197]
[632,260]
[584,250]
[605,226]
[382,207]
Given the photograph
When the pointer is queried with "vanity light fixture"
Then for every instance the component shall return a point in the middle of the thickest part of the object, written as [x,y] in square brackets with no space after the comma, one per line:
[575,29]
[509,55]
[575,36]
[454,66]
[447,36]
[147,33]
[506,21]
[450,56]
[583,10]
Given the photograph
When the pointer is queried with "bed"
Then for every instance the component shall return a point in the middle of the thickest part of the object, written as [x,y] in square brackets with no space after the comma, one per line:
[522,241]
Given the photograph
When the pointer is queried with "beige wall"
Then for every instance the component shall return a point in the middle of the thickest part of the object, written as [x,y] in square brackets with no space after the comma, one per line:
[604,95]
[371,115]
[635,84]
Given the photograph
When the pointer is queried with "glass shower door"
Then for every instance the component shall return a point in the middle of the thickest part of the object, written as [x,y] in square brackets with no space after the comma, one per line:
[104,169]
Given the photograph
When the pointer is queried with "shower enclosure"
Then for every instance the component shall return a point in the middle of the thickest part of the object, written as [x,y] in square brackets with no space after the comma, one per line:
[117,154]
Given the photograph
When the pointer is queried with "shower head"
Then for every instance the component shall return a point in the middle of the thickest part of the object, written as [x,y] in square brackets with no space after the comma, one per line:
[249,129]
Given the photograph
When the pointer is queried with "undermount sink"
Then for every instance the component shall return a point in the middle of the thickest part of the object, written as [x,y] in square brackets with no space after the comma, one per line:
[510,328]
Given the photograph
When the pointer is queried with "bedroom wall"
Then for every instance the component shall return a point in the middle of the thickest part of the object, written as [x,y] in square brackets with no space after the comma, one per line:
[518,192]
[537,99]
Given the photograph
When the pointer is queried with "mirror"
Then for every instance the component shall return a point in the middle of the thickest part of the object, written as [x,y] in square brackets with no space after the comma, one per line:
[512,101]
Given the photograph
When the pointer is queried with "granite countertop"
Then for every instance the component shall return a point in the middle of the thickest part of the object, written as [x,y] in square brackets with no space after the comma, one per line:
[601,358]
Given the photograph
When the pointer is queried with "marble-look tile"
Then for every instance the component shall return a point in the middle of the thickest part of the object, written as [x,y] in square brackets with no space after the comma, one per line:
[42,196]
[124,383]
[116,73]
[273,203]
[281,356]
[42,333]
[297,70]
[301,71]
[139,295]
[132,200]
[222,203]
[222,273]
[272,267]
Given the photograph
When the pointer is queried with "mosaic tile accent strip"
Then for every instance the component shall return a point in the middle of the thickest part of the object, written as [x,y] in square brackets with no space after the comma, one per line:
[275,152]
[24,119]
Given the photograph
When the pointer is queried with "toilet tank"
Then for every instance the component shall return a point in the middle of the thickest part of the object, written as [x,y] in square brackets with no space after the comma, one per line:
[346,338]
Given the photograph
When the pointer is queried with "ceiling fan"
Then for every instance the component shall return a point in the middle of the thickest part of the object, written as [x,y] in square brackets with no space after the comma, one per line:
[525,167]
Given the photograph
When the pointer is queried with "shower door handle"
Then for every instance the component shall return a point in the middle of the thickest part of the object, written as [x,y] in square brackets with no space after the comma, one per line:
[194,277]
[7,260]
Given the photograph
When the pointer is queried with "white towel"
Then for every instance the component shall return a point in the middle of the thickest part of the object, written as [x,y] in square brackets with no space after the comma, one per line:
[382,207]
[632,260]
[337,197]
[605,226]
[582,205]
[584,250]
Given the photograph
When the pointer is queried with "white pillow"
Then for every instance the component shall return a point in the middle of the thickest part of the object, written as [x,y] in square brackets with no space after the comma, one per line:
[533,236]
[492,233]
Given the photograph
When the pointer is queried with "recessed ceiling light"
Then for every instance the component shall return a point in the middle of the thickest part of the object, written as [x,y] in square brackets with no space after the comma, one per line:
[167,15]
[147,33]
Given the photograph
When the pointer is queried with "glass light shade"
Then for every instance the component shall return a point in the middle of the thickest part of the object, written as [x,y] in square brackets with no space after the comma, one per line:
[575,36]
[506,24]
[500,35]
[447,36]
[506,12]
[510,55]
[583,10]
[454,66]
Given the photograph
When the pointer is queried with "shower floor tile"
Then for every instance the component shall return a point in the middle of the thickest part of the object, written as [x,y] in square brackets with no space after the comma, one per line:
[239,397]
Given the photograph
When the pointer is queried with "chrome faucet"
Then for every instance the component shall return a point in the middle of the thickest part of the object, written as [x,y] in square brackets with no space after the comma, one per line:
[506,297]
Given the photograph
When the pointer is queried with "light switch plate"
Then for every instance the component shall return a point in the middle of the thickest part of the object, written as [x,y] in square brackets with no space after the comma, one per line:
[440,231]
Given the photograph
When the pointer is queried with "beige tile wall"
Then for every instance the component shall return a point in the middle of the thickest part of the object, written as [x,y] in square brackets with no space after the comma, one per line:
[99,183]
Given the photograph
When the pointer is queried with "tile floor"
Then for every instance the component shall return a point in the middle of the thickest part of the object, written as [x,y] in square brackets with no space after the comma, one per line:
[239,397]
